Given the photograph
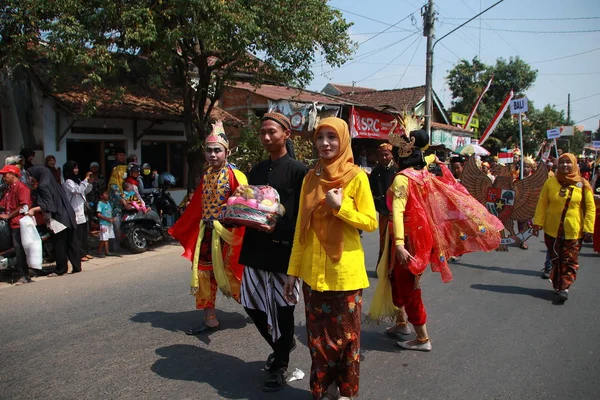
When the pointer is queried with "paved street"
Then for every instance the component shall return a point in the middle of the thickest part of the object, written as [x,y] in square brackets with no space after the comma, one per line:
[116,332]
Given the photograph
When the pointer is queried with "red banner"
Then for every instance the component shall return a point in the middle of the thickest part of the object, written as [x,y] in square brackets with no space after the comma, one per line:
[367,124]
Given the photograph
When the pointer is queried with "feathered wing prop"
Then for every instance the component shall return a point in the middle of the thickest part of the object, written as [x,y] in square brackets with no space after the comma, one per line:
[527,192]
[475,180]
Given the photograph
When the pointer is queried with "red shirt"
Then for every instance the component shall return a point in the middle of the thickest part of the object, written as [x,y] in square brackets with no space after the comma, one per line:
[16,196]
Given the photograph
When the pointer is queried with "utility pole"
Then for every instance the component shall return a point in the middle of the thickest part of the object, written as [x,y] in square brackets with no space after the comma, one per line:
[569,109]
[428,31]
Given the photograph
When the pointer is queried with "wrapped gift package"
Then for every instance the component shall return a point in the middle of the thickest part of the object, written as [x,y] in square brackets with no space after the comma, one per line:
[255,207]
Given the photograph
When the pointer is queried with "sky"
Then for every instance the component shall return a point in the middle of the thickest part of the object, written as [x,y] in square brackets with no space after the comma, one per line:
[560,39]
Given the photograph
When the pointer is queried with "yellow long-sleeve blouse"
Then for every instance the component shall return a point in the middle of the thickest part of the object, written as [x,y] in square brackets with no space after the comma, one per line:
[399,189]
[310,262]
[550,207]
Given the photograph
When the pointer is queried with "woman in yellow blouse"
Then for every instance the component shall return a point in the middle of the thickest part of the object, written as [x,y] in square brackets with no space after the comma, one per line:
[328,256]
[566,212]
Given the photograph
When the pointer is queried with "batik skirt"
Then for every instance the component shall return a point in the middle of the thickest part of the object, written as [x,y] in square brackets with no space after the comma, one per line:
[564,256]
[333,328]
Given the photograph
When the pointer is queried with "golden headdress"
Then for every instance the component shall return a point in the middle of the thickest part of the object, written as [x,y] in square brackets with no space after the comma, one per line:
[528,160]
[218,136]
[400,133]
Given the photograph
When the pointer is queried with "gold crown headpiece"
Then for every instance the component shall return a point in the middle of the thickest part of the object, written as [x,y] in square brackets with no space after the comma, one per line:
[218,135]
[398,137]
[529,161]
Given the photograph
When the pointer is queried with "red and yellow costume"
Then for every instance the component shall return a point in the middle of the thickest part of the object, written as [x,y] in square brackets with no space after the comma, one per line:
[434,218]
[213,249]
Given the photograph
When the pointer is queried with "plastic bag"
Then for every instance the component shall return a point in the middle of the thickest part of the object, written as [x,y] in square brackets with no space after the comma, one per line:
[31,241]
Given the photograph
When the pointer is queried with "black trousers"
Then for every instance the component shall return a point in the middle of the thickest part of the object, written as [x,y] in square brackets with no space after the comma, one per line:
[82,235]
[282,347]
[66,245]
[20,252]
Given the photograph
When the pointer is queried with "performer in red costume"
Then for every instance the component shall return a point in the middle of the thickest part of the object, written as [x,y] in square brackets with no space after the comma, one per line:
[213,249]
[432,219]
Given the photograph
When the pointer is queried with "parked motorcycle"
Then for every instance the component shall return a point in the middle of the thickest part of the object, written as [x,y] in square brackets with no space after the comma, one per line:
[138,229]
[8,258]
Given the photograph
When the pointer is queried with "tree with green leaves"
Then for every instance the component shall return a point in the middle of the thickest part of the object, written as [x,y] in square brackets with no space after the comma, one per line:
[194,46]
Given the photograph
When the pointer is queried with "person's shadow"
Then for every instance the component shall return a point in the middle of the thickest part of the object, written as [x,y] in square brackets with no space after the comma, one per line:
[543,294]
[503,270]
[232,377]
[182,321]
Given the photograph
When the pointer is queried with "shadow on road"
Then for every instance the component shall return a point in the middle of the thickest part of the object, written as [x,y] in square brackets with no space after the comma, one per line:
[182,321]
[544,294]
[504,270]
[232,377]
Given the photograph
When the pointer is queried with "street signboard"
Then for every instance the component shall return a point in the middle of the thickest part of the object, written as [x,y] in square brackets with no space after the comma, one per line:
[553,133]
[567,130]
[461,119]
[596,144]
[518,106]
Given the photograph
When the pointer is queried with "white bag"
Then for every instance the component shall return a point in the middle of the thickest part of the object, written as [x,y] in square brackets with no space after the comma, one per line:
[31,241]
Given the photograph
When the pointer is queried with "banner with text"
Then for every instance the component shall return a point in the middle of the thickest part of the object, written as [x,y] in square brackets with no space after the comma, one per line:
[367,124]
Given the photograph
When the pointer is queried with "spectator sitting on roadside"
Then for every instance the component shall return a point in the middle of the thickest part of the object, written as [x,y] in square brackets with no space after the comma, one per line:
[186,201]
[147,180]
[15,198]
[131,198]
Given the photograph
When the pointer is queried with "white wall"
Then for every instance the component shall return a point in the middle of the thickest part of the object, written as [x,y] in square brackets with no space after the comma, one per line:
[126,125]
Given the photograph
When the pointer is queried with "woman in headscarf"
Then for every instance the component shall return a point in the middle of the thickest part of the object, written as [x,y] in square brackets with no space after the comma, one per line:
[566,212]
[327,255]
[50,163]
[76,190]
[433,218]
[52,201]
[147,180]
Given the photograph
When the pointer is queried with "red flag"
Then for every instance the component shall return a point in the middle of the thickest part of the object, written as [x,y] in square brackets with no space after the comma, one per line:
[494,122]
[477,103]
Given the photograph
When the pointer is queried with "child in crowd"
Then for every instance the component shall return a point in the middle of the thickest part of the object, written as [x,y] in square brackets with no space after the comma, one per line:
[186,201]
[131,197]
[105,216]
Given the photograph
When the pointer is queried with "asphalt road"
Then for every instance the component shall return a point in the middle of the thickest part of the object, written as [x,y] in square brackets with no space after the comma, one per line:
[116,332]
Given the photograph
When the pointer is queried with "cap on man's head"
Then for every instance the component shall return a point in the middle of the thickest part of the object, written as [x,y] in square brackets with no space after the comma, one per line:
[13,169]
[94,164]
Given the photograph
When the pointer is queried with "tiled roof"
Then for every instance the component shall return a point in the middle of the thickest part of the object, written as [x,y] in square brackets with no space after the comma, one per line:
[446,127]
[136,103]
[401,99]
[274,92]
[350,89]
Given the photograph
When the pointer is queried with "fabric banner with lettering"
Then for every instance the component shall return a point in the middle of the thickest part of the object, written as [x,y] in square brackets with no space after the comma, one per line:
[367,124]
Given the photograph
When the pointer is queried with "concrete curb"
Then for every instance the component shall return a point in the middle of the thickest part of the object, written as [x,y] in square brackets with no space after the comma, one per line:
[97,263]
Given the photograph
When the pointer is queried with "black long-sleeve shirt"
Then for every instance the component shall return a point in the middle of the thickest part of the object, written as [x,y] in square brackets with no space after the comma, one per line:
[381,179]
[271,251]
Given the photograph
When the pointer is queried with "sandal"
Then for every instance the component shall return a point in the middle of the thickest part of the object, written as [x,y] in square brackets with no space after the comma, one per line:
[524,246]
[275,382]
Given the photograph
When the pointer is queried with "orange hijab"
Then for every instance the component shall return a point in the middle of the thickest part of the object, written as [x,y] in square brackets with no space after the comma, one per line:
[334,173]
[574,177]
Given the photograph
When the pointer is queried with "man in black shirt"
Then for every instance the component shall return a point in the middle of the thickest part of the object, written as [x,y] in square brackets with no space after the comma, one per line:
[266,254]
[381,178]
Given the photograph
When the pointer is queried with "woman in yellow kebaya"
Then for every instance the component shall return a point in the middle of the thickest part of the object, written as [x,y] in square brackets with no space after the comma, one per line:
[328,256]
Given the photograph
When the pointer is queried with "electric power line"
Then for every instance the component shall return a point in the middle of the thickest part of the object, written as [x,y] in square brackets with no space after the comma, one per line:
[388,64]
[530,19]
[410,62]
[370,53]
[573,73]
[579,99]
[563,57]
[524,31]
[583,120]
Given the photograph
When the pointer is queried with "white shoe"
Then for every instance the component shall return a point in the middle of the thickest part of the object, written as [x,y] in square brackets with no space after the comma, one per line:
[402,329]
[417,347]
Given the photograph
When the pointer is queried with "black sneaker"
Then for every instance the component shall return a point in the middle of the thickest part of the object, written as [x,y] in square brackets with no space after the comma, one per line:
[271,357]
[276,381]
[563,295]
[546,274]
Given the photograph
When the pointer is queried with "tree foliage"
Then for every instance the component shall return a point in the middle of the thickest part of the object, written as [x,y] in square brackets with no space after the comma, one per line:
[197,46]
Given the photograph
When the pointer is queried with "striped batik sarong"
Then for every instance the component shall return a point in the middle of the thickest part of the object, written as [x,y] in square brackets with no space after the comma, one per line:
[263,291]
